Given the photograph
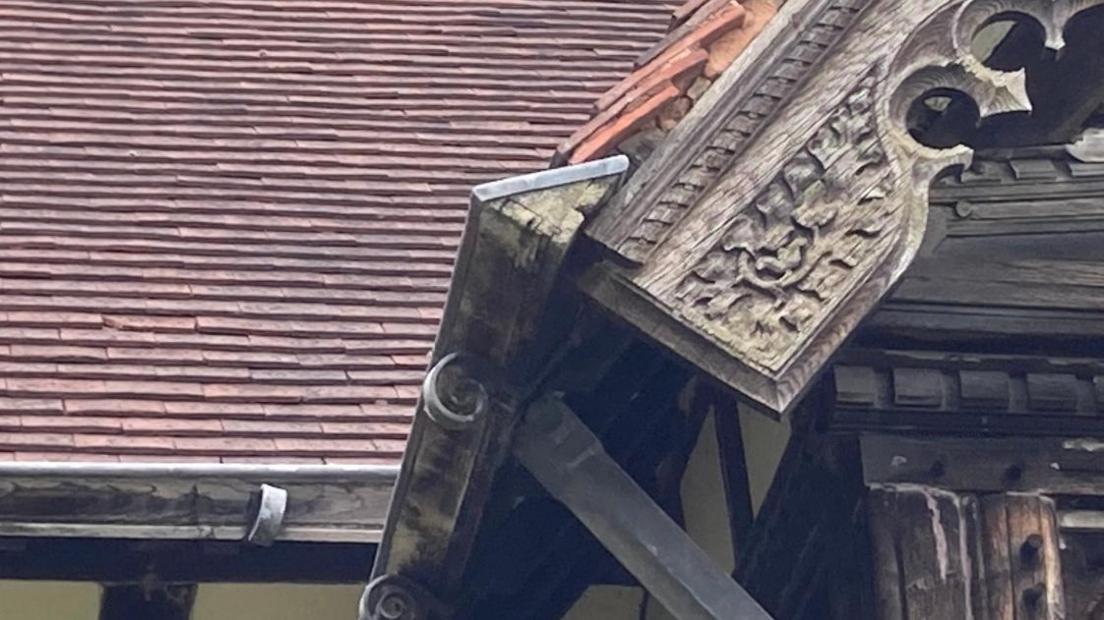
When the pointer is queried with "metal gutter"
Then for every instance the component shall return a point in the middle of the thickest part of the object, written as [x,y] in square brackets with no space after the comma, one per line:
[193,501]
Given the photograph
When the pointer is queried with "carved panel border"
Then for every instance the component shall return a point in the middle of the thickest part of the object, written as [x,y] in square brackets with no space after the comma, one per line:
[781,212]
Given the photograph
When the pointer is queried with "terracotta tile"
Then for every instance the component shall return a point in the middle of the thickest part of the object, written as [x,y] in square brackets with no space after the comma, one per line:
[39,440]
[606,139]
[725,49]
[194,263]
[123,443]
[74,424]
[645,79]
[224,446]
[30,405]
[113,406]
[685,10]
[64,457]
[166,458]
[215,410]
[728,18]
[171,426]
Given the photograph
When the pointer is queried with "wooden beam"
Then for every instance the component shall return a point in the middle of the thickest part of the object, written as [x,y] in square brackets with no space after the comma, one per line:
[734,470]
[325,503]
[1070,466]
[790,560]
[121,562]
[571,463]
[500,317]
[954,393]
[938,554]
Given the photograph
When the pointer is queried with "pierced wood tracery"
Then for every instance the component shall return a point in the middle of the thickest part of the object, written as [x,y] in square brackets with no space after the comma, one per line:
[770,248]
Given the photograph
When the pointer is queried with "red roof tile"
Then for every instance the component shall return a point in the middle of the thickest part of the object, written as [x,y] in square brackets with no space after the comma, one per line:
[227,226]
[705,38]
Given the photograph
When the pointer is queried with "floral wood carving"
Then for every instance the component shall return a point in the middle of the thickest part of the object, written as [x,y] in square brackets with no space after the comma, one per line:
[797,249]
[773,253]
[774,88]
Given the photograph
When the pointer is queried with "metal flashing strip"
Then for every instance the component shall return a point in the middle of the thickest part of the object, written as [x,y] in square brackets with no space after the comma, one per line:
[553,177]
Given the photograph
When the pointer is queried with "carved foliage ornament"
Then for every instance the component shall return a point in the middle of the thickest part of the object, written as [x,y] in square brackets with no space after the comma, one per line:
[767,264]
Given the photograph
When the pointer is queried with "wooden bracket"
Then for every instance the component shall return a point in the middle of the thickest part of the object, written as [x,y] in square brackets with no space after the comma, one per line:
[789,202]
[488,350]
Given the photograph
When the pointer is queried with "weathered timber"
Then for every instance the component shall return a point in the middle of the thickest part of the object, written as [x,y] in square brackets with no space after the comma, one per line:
[957,392]
[533,559]
[125,561]
[921,566]
[566,457]
[1051,466]
[1012,256]
[325,503]
[733,463]
[939,554]
[517,236]
[790,559]
[790,200]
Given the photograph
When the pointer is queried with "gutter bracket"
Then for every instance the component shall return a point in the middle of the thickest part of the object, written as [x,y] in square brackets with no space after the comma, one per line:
[268,519]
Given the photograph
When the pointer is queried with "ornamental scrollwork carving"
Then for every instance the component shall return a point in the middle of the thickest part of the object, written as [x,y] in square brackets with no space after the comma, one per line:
[774,88]
[796,249]
[757,261]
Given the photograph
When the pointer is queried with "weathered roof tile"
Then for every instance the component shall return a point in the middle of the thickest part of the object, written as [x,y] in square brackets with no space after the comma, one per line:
[227,228]
[705,38]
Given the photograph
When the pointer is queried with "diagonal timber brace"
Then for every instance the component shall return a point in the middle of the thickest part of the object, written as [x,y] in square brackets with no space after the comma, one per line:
[570,462]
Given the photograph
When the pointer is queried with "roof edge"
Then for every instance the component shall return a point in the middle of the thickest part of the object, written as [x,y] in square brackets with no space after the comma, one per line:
[192,501]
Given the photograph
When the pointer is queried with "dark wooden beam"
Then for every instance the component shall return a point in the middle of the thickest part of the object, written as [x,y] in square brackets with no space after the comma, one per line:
[570,461]
[329,503]
[1057,466]
[790,559]
[501,311]
[733,463]
[938,554]
[133,562]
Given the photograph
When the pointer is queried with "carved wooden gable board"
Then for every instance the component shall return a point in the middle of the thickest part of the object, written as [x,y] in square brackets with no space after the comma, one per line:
[778,214]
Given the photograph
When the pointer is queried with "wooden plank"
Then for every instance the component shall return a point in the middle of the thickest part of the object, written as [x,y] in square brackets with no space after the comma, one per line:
[1023,465]
[1000,597]
[1023,577]
[115,561]
[183,508]
[939,554]
[806,524]
[733,462]
[499,311]
[921,559]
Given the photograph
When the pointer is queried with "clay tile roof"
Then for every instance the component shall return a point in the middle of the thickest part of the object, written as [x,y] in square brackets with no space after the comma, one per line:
[227,226]
[704,38]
